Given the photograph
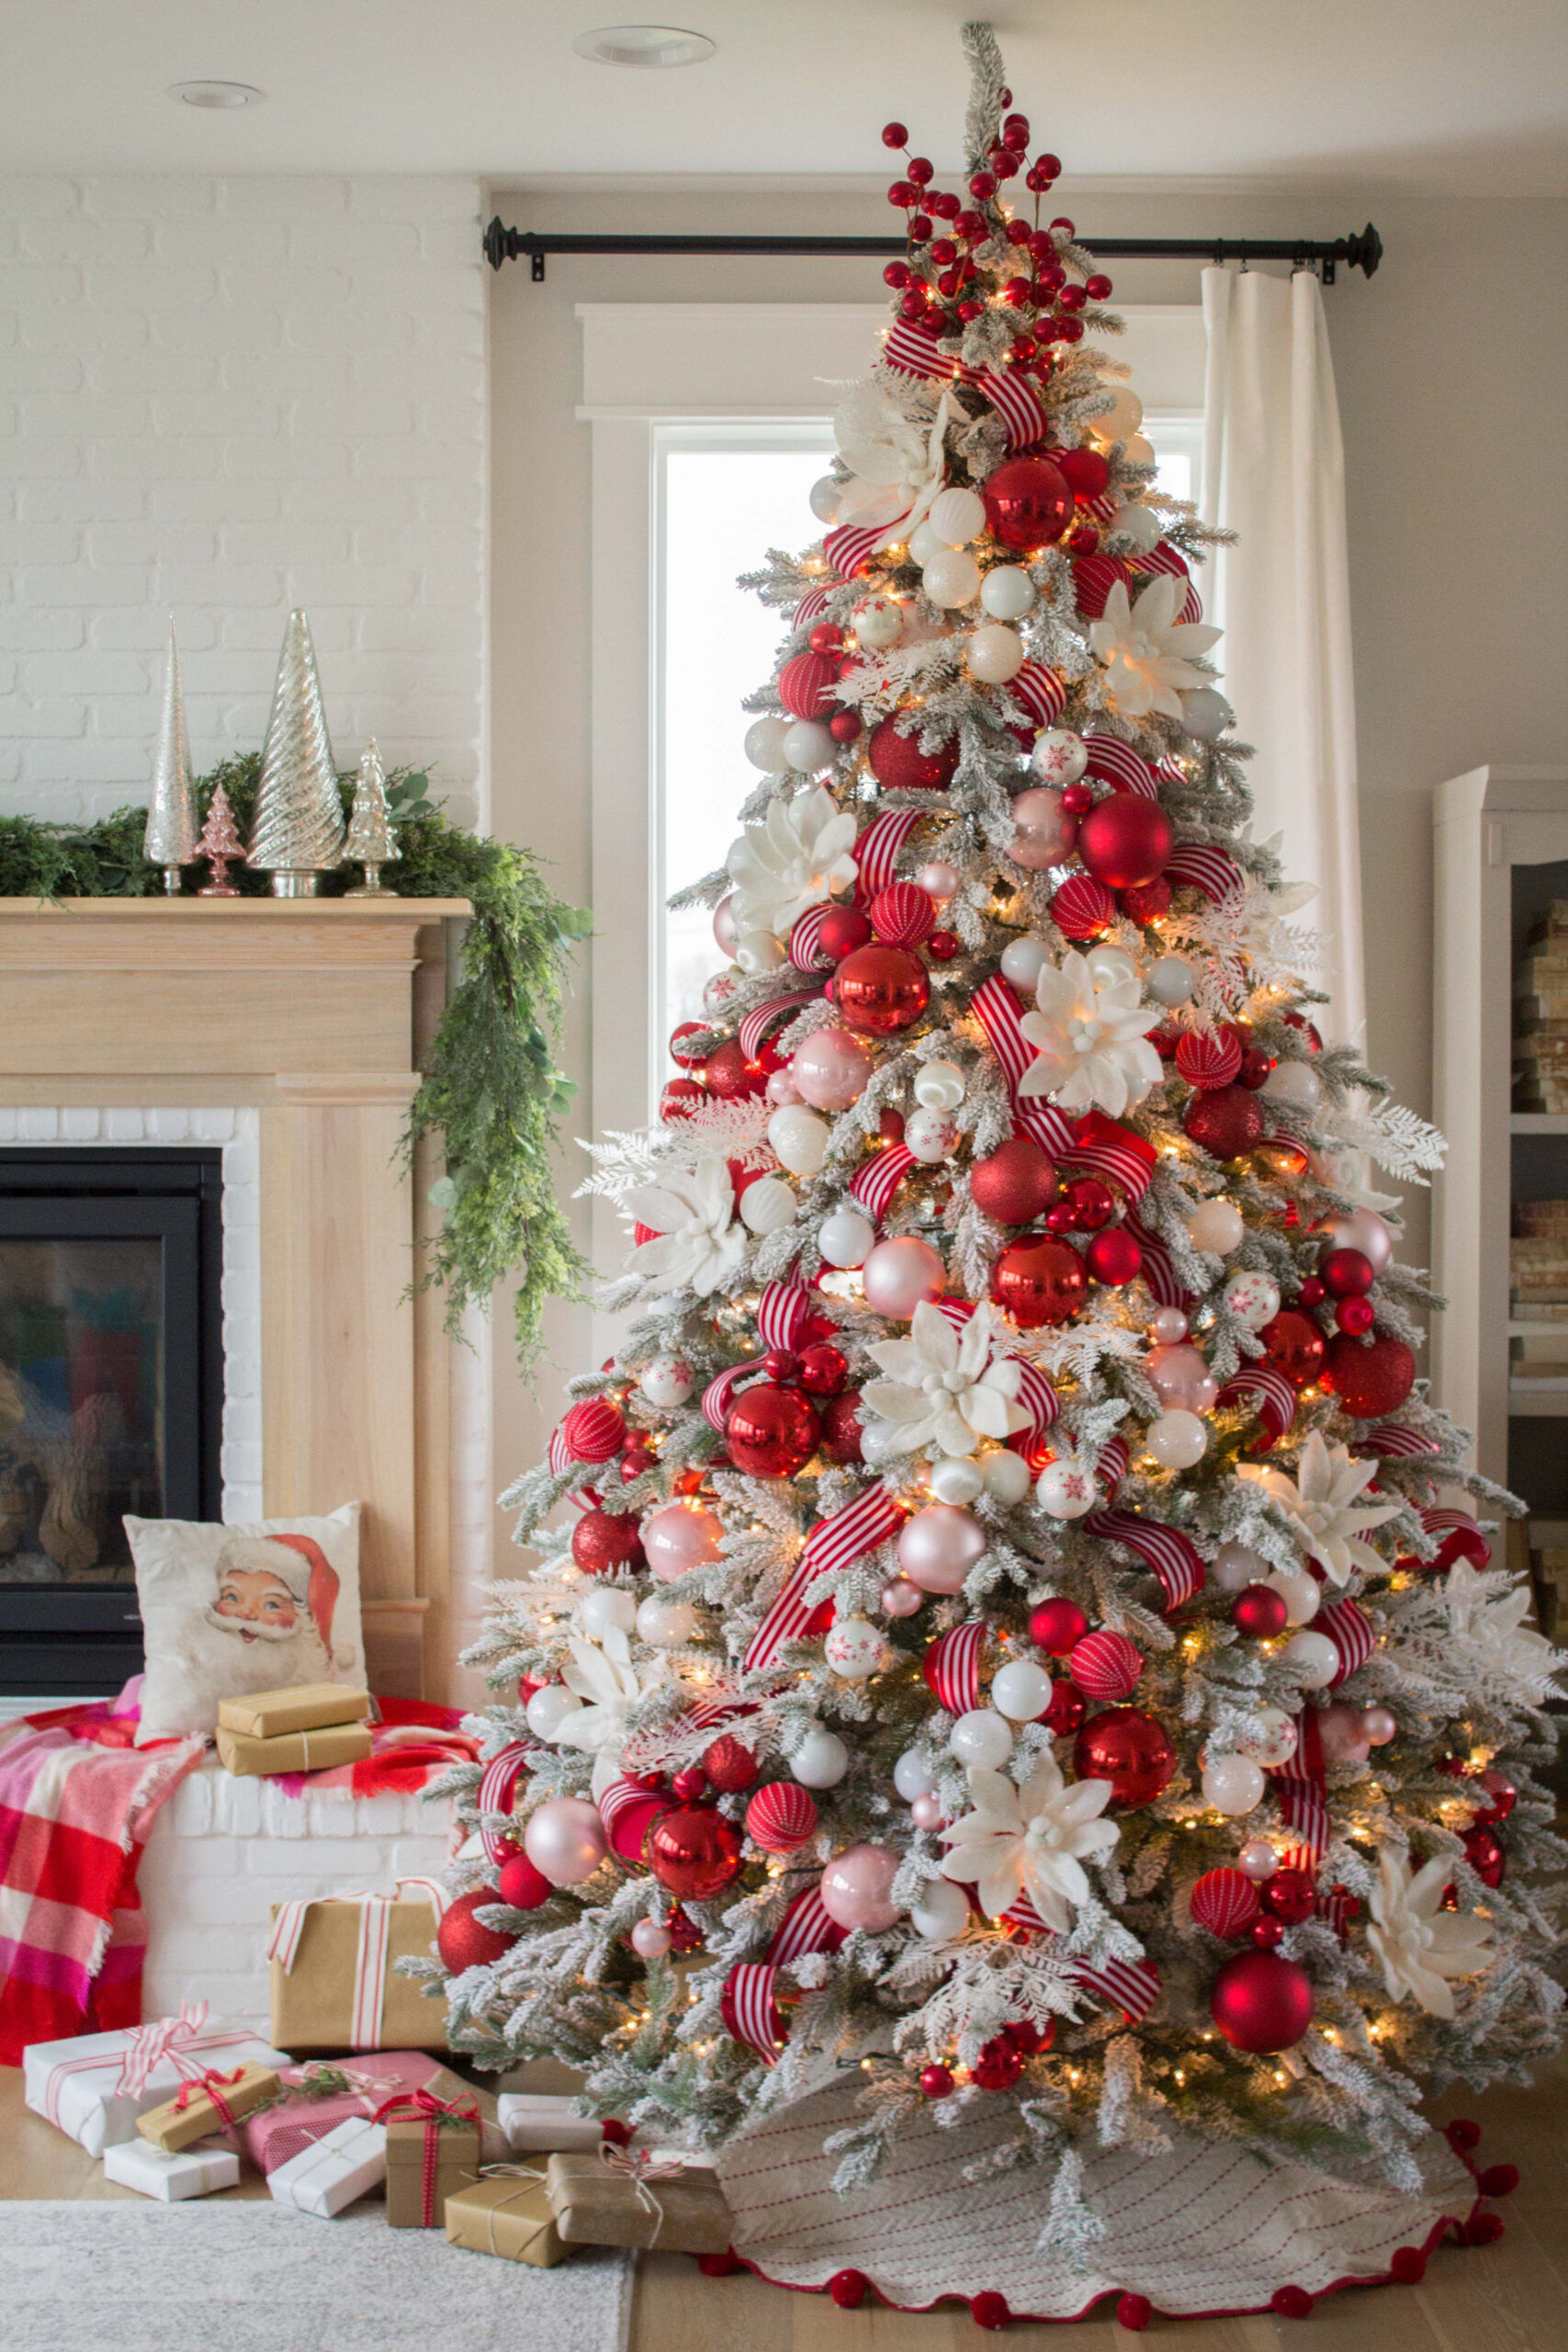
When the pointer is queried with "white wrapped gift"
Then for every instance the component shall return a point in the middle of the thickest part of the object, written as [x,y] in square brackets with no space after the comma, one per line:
[345,2163]
[195,2172]
[95,2086]
[539,2120]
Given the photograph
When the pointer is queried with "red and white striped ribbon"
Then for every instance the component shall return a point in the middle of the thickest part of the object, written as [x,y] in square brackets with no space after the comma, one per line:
[1017,403]
[1393,1441]
[877,850]
[997,1010]
[755,1024]
[1303,1808]
[1118,1156]
[874,1184]
[1042,694]
[1116,1459]
[807,952]
[1349,1629]
[805,1926]
[1169,560]
[1276,1407]
[783,1312]
[1130,1985]
[370,1954]
[811,607]
[628,1812]
[719,1394]
[832,1544]
[850,547]
[1450,1523]
[619,1797]
[1173,1556]
[905,346]
[952,1668]
[1094,576]
[1117,764]
[1339,1908]
[1208,869]
[749,2006]
[1159,1269]
[498,1786]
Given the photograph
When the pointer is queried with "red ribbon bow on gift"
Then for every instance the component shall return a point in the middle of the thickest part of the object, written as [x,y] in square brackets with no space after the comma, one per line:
[211,2085]
[432,2111]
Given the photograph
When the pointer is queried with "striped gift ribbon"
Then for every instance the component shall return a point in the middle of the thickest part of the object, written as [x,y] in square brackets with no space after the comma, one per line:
[1349,1629]
[952,1668]
[905,346]
[1117,764]
[1115,1461]
[755,1024]
[370,1954]
[1473,1546]
[1159,1269]
[748,2003]
[1016,402]
[1276,1406]
[719,1394]
[1303,1808]
[1169,560]
[811,607]
[997,1010]
[1173,1556]
[1042,693]
[874,1184]
[850,547]
[807,952]
[783,1312]
[1395,1441]
[1119,1157]
[832,1544]
[1130,1985]
[1208,869]
[877,850]
[498,1786]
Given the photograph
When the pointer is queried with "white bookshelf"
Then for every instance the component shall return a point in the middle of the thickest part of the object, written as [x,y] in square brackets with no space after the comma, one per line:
[1488,826]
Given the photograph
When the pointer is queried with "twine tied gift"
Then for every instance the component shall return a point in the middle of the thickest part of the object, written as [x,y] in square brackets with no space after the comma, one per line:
[436,2114]
[525,2173]
[212,2086]
[640,2166]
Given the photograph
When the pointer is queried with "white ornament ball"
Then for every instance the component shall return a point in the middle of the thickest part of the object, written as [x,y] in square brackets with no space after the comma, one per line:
[1007,1478]
[1122,417]
[923,543]
[847,1238]
[1059,756]
[1217,1226]
[651,1939]
[853,1649]
[1276,1743]
[879,623]
[1296,1083]
[1234,1785]
[1170,981]
[1177,1440]
[951,578]
[939,1545]
[995,653]
[982,1738]
[1235,1565]
[821,1759]
[565,1840]
[1139,450]
[879,1442]
[1257,1859]
[1108,966]
[718,991]
[1065,1489]
[808,746]
[940,1912]
[1168,1325]
[912,1776]
[1310,1659]
[956,516]
[667,1382]
[1362,1229]
[548,1709]
[768,1205]
[1022,1690]
[938,1086]
[1300,1591]
[759,951]
[824,496]
[799,1138]
[667,1624]
[932,1135]
[1139,524]
[1023,960]
[956,1481]
[1007,594]
[1252,1297]
[765,745]
[1206,714]
[603,1609]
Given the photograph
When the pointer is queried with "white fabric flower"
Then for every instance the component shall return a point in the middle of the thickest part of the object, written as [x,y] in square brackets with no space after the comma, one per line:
[896,468]
[1146,651]
[1496,1626]
[1092,1043]
[610,1686]
[700,1246]
[946,1388]
[796,858]
[1418,1944]
[1320,1503]
[1027,1841]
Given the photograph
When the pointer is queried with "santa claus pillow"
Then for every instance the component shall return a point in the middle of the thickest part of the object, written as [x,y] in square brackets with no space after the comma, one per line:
[229,1610]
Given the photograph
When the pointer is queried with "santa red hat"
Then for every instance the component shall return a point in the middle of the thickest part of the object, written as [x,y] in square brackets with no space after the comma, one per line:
[304,1568]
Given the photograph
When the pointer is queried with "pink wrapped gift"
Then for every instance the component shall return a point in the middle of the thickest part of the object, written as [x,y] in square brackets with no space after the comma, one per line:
[322,2095]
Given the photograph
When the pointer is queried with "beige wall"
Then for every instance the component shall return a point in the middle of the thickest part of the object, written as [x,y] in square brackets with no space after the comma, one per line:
[1458,615]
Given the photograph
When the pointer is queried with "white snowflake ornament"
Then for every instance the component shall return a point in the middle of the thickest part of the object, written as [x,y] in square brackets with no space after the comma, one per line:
[1253,1297]
[853,1649]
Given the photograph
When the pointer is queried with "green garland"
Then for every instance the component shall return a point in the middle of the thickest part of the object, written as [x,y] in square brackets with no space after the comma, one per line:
[490,1085]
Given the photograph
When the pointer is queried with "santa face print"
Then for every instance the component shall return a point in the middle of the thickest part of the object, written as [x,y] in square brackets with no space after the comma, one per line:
[256,1604]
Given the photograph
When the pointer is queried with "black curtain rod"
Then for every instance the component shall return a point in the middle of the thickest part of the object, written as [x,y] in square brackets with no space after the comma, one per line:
[1362,251]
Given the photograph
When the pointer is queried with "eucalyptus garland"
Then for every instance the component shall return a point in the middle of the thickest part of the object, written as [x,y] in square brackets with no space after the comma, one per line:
[490,1084]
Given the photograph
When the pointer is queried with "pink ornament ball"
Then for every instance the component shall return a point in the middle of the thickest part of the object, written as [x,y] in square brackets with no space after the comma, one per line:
[1365,1232]
[831,1068]
[565,1840]
[651,1939]
[1258,1858]
[1344,1735]
[1224,1901]
[1180,1378]
[925,1812]
[1046,830]
[939,1546]
[938,879]
[681,1537]
[899,1598]
[899,1275]
[724,935]
[1377,1726]
[782,1818]
[1106,1666]
[857,1888]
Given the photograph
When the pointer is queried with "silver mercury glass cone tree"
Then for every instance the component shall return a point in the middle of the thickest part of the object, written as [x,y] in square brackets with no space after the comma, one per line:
[299,830]
[371,840]
[171,837]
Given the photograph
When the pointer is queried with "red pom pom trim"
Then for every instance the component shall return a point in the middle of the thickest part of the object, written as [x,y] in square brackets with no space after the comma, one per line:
[718,2266]
[1134,2313]
[848,2288]
[1482,2229]
[614,2133]
[1407,2266]
[1462,2135]
[1499,2180]
[1292,2302]
[989,2309]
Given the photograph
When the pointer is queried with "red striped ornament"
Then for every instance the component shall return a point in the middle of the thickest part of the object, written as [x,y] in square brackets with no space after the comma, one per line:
[902,915]
[781,1817]
[1224,1901]
[807,685]
[875,1184]
[832,1544]
[1082,908]
[1349,1629]
[1172,1556]
[952,1668]
[1106,1666]
[877,850]
[593,1430]
[1208,1058]
[1276,1405]
[1094,576]
[1116,764]
[1041,691]
[1208,870]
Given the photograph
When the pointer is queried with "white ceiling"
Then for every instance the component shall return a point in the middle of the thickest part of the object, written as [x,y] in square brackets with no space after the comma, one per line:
[1435,95]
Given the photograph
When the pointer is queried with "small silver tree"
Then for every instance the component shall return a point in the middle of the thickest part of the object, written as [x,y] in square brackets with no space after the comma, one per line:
[370,836]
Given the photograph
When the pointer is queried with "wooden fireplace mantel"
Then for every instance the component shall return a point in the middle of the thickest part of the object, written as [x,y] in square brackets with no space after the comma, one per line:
[315,1011]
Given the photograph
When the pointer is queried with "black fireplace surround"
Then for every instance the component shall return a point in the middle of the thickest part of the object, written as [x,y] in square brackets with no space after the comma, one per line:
[111,1394]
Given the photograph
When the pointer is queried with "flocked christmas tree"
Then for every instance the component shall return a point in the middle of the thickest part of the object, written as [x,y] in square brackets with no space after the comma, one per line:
[1008,1640]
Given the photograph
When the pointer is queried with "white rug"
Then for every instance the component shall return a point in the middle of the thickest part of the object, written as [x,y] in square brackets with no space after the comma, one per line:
[254,2276]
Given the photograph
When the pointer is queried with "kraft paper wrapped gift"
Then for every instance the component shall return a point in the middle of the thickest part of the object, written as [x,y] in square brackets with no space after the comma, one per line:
[292,1751]
[329,2174]
[314,2100]
[430,2153]
[627,2201]
[94,2086]
[195,2172]
[267,1714]
[545,2122]
[507,2212]
[205,2104]
[334,1980]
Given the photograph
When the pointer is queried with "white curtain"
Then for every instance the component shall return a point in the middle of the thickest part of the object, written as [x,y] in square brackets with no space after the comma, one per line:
[1274,472]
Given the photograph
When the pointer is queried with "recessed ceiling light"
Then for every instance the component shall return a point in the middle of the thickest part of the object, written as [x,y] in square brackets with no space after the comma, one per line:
[216,94]
[643,45]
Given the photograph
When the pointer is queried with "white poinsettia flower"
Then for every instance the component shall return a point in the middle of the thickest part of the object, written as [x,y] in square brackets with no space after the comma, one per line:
[1494,1624]
[1146,651]
[610,1686]
[1418,1944]
[796,858]
[1320,1503]
[946,1388]
[1092,1043]
[1029,1840]
[691,1211]
[895,467]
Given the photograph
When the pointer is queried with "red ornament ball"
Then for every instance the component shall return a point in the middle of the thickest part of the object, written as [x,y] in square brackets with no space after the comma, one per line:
[1029,504]
[729,1765]
[1039,1281]
[844,726]
[1055,1626]
[1082,908]
[998,2066]
[1209,1058]
[1113,1258]
[936,2081]
[1147,902]
[1290,1894]
[1128,1749]
[681,1099]
[519,1883]
[1503,1797]
[880,991]
[1078,797]
[1483,1852]
[1261,1612]
[841,1427]
[1015,1184]
[1125,840]
[1065,1711]
[1261,2003]
[900,765]
[823,1369]
[943,945]
[603,1541]
[1226,1122]
[694,1851]
[770,1432]
[1224,1901]
[1106,1666]
[462,1940]
[902,915]
[594,1430]
[1268,1931]
[1091,1204]
[848,2288]
[691,1784]
[1346,1274]
[782,1363]
[1030,2039]
[1312,1293]
[895,135]
[1370,1377]
[1256,1066]
[1085,472]
[841,931]
[1293,1344]
[782,1818]
[729,1076]
[1355,1316]
[681,1047]
[806,684]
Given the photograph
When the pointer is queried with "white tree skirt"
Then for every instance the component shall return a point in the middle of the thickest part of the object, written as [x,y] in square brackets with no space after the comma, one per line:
[1204,2230]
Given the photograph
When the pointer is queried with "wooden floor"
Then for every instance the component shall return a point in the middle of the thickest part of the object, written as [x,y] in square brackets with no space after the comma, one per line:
[1512,2297]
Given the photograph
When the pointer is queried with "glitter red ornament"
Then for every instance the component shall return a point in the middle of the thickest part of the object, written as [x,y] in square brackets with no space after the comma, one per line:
[997,2065]
[880,991]
[1147,902]
[900,765]
[694,1851]
[1261,1612]
[1130,1749]
[1039,1281]
[1261,2003]
[1226,1124]
[603,1541]
[1370,1377]
[1125,840]
[729,1076]
[1224,1901]
[770,1432]
[729,1765]
[841,1427]
[1015,1184]
[1029,504]
[1055,1626]
[1293,1345]
[1113,1258]
[519,1883]
[464,1941]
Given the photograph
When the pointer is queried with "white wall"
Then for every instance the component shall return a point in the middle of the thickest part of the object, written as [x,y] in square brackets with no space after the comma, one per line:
[225,397]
